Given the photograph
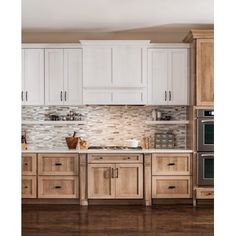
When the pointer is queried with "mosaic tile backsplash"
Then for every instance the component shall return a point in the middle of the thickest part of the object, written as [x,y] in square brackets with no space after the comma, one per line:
[104,125]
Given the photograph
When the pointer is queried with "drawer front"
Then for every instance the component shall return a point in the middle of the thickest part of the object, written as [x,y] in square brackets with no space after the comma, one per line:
[29,187]
[171,164]
[115,158]
[28,164]
[58,187]
[171,187]
[205,193]
[58,164]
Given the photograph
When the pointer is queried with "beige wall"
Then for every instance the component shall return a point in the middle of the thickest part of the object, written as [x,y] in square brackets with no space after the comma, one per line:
[165,34]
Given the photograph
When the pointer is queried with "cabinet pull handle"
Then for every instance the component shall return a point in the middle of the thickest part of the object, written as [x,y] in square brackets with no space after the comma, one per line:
[171,164]
[26,164]
[117,173]
[57,186]
[22,96]
[65,95]
[26,96]
[171,187]
[26,187]
[61,96]
[169,95]
[165,95]
[112,173]
[58,164]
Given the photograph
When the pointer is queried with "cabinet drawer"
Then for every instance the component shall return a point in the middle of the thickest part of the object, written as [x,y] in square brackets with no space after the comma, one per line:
[28,164]
[28,187]
[58,187]
[171,164]
[58,164]
[205,193]
[171,187]
[115,158]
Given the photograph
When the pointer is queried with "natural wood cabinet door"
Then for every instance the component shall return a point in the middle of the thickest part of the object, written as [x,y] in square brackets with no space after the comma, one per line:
[28,187]
[171,164]
[171,187]
[29,164]
[205,72]
[58,164]
[101,185]
[58,187]
[129,180]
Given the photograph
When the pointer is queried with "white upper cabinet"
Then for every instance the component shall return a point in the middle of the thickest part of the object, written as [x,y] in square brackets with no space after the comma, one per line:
[115,72]
[129,66]
[97,66]
[63,76]
[32,77]
[168,76]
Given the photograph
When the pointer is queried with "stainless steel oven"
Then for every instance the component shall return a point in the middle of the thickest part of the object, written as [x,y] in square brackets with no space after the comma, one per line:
[205,130]
[205,168]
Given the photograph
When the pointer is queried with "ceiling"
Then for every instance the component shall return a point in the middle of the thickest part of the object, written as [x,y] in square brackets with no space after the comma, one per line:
[113,15]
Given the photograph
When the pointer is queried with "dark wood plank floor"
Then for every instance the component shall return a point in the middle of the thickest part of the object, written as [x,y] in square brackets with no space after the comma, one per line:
[73,220]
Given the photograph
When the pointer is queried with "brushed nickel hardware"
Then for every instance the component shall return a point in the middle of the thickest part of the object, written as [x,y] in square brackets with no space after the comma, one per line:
[169,95]
[65,95]
[209,120]
[165,95]
[61,95]
[206,155]
[26,96]
[22,96]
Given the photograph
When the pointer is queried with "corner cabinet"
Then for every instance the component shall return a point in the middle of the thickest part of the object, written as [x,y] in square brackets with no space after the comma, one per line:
[168,75]
[32,77]
[63,76]
[114,72]
[115,176]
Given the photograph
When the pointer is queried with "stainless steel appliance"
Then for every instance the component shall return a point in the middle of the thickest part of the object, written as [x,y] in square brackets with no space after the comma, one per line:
[205,130]
[205,147]
[205,167]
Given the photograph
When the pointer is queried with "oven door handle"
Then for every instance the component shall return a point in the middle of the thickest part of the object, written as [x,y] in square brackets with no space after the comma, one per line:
[205,121]
[207,155]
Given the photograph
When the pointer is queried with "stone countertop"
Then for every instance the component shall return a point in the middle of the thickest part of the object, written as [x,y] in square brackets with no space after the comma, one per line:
[86,151]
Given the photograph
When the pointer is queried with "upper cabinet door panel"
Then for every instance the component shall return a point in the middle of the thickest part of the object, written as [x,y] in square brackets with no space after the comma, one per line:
[22,76]
[205,72]
[33,76]
[178,77]
[97,67]
[72,77]
[158,73]
[128,66]
[54,70]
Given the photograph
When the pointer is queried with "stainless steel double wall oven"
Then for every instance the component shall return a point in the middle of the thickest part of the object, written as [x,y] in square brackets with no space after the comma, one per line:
[205,147]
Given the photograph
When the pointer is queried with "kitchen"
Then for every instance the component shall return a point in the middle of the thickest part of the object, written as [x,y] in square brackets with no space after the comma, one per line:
[117,124]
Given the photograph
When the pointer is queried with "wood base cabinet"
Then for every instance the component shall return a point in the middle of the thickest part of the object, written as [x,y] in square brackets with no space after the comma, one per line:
[115,180]
[172,175]
[29,178]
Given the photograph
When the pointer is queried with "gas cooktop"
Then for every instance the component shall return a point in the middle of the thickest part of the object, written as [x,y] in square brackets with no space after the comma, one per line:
[114,148]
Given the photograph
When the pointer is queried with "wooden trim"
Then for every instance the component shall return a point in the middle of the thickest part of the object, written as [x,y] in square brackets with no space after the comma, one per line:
[51,45]
[168,45]
[148,179]
[204,193]
[116,202]
[51,201]
[199,34]
[83,180]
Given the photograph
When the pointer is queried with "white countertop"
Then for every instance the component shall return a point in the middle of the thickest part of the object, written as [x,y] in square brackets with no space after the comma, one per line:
[85,151]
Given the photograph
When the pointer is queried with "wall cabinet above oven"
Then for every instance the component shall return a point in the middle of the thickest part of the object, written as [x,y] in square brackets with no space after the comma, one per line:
[115,65]
[168,75]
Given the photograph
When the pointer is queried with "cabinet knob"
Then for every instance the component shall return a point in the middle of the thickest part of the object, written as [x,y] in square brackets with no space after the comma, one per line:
[25,186]
[26,164]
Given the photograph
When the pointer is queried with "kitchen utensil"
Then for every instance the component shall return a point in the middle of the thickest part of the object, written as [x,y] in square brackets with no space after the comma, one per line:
[83,144]
[159,115]
[154,115]
[72,141]
[132,143]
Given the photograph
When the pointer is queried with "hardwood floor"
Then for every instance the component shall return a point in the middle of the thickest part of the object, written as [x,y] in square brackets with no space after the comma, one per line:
[73,220]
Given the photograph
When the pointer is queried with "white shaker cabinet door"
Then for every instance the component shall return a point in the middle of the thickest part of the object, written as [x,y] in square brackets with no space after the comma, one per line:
[129,66]
[72,77]
[54,73]
[32,77]
[178,77]
[97,70]
[158,76]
